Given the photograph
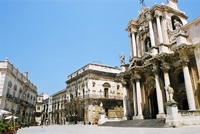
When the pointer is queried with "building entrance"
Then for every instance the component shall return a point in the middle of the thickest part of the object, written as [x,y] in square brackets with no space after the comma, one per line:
[154,104]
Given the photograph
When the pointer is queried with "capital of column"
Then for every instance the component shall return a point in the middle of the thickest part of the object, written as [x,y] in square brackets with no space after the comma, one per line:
[123,82]
[155,69]
[149,17]
[165,67]
[184,61]
[157,14]
[135,77]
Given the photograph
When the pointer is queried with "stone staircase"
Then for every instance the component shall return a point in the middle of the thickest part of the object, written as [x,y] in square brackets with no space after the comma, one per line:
[154,123]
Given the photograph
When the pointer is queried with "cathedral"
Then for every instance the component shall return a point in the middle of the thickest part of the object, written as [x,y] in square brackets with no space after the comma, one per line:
[164,63]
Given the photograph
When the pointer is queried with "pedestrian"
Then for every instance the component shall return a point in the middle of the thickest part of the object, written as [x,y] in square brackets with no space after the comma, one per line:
[41,123]
[47,122]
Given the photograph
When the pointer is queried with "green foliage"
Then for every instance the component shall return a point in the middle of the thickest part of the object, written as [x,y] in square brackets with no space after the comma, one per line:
[6,127]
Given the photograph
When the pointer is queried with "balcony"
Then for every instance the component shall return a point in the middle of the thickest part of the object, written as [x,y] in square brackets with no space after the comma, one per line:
[92,96]
[6,109]
[8,96]
[13,111]
[14,99]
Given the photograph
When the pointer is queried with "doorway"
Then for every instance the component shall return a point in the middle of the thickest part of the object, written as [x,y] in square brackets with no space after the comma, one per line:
[154,104]
[185,105]
[106,92]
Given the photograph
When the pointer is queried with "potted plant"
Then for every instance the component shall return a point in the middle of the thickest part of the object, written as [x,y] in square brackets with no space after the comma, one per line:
[10,130]
[4,128]
[36,123]
[32,123]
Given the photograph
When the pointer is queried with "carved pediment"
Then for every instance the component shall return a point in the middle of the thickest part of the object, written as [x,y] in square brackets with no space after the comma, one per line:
[106,85]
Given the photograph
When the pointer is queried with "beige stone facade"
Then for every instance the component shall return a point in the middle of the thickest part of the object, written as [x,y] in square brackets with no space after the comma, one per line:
[164,52]
[88,87]
[40,107]
[17,93]
[58,113]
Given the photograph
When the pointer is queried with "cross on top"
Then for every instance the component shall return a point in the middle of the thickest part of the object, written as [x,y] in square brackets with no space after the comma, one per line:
[142,2]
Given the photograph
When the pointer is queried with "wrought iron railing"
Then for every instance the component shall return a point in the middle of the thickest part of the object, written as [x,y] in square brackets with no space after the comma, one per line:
[92,96]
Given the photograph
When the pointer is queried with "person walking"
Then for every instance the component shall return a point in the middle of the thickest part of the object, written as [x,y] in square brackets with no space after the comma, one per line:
[47,122]
[41,124]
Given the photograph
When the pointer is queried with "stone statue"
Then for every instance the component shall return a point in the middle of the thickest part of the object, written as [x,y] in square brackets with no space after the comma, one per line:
[101,107]
[177,25]
[122,58]
[170,91]
[148,45]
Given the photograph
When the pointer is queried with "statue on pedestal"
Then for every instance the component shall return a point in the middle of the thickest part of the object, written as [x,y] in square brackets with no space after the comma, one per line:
[122,58]
[170,91]
[101,107]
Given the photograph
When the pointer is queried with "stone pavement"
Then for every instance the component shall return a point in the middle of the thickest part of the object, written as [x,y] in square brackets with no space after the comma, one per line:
[91,129]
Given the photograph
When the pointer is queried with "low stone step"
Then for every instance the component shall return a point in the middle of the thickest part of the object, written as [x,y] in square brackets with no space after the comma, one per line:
[159,123]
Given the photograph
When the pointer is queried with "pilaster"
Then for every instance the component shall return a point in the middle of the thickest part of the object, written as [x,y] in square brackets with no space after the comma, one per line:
[154,49]
[166,67]
[137,78]
[161,113]
[188,84]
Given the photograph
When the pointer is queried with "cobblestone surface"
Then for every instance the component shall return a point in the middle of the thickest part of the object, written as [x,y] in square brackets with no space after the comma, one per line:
[91,129]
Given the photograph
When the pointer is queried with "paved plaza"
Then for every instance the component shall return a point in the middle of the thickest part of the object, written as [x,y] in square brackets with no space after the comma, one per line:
[90,129]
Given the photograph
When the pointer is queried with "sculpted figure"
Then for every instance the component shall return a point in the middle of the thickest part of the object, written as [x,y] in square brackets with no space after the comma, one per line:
[101,107]
[177,25]
[122,58]
[170,91]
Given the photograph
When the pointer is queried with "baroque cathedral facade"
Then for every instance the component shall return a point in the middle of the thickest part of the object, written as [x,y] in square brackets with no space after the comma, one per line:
[164,53]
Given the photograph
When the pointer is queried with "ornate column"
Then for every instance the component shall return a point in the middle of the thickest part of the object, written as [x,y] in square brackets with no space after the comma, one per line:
[161,113]
[197,58]
[151,31]
[165,67]
[124,99]
[139,98]
[134,98]
[138,46]
[131,47]
[142,45]
[188,84]
[134,42]
[157,15]
[153,50]
[164,29]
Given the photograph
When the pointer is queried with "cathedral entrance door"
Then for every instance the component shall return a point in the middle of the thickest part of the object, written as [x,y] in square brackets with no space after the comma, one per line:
[154,104]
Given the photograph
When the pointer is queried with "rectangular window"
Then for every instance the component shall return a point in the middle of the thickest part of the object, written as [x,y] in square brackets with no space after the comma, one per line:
[38,108]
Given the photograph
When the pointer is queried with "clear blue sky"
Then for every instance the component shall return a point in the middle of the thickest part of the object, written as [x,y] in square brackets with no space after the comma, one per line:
[53,38]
